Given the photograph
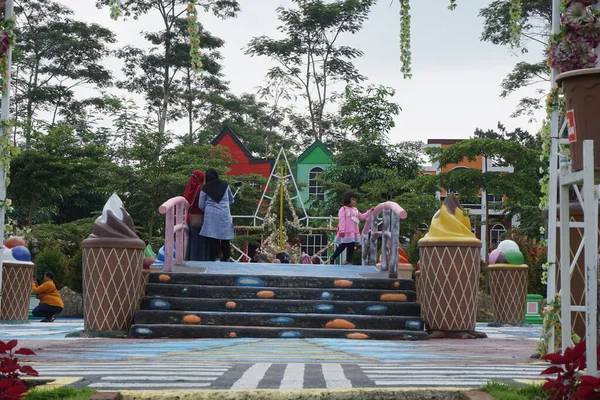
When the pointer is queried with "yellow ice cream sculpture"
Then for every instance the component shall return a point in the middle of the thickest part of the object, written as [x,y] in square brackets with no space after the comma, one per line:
[450,224]
[450,266]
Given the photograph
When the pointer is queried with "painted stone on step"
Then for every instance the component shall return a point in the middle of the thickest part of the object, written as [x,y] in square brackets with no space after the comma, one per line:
[158,304]
[290,335]
[191,319]
[393,297]
[326,296]
[376,309]
[164,278]
[281,321]
[357,335]
[248,281]
[265,294]
[326,308]
[343,283]
[340,324]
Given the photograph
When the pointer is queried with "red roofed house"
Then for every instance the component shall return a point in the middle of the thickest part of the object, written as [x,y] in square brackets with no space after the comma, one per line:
[246,162]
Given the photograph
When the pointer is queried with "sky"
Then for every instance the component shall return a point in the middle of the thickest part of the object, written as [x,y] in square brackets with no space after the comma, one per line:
[456,78]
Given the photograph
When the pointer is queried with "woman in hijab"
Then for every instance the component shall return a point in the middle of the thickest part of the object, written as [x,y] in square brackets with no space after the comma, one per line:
[197,249]
[215,198]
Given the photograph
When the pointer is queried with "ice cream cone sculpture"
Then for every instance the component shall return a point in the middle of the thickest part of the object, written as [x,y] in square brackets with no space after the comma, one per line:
[449,273]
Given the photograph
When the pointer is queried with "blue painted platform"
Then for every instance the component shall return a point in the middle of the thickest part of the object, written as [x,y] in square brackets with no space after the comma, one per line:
[317,270]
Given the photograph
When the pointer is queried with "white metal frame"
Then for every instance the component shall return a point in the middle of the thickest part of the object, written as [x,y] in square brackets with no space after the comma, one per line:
[589,205]
[589,245]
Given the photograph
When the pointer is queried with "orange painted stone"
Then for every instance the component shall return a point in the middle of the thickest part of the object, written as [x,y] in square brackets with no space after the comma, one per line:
[396,284]
[343,283]
[357,336]
[191,319]
[232,334]
[393,297]
[265,294]
[231,304]
[164,278]
[340,324]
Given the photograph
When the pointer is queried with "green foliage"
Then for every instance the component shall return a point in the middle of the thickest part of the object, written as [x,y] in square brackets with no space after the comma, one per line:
[75,269]
[52,259]
[413,248]
[73,182]
[535,25]
[67,237]
[309,56]
[60,393]
[502,391]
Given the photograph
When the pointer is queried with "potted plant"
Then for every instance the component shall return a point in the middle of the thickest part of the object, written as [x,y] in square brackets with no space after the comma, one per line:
[572,51]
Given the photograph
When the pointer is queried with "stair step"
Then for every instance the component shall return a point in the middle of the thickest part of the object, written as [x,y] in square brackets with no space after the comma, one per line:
[337,321]
[204,331]
[236,292]
[281,306]
[256,281]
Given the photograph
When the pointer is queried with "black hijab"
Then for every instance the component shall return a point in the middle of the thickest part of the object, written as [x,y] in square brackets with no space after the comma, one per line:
[214,187]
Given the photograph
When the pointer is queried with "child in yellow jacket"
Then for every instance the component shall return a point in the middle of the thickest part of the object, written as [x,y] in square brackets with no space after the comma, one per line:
[51,303]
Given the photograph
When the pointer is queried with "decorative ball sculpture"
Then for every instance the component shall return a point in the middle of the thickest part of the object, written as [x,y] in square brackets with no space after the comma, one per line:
[508,252]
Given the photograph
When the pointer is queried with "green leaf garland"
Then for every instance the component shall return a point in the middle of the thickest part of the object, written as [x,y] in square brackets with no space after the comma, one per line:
[194,32]
[115,9]
[405,53]
[515,12]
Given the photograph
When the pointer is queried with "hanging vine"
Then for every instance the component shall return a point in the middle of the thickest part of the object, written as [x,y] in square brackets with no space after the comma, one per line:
[7,38]
[194,32]
[115,9]
[515,12]
[405,53]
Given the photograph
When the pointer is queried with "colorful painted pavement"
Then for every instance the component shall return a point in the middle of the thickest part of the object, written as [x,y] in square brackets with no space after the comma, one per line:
[117,364]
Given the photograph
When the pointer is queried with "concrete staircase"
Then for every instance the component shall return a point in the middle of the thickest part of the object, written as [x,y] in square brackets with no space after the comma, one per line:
[200,305]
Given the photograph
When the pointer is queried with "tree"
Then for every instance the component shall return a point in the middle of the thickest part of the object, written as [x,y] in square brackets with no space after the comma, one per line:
[55,54]
[536,22]
[520,136]
[165,59]
[309,57]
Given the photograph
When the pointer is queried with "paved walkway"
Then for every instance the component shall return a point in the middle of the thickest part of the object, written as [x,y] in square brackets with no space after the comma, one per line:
[247,364]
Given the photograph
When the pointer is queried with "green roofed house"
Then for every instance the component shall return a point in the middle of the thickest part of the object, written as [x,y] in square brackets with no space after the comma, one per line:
[310,164]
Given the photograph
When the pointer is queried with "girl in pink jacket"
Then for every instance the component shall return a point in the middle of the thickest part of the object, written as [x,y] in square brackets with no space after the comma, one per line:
[348,233]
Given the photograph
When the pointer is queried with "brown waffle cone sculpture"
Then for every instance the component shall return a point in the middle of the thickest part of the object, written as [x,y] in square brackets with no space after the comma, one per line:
[112,270]
[16,286]
[448,284]
[508,287]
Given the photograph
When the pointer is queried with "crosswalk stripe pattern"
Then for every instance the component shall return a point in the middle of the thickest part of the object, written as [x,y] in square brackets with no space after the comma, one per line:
[473,375]
[131,375]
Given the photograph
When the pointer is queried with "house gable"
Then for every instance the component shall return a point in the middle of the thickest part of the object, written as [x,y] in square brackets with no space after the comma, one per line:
[246,162]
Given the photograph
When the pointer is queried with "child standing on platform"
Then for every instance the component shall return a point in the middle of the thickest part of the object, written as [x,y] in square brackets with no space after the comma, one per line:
[348,233]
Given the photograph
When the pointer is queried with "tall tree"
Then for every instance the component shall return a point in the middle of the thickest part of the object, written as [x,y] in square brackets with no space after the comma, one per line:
[536,23]
[309,56]
[55,54]
[165,60]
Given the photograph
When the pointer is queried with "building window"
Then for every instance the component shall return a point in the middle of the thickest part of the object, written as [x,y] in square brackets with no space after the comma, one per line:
[312,244]
[315,190]
[497,234]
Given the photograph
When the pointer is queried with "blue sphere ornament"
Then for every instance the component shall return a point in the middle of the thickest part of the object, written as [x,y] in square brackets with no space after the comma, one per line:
[21,253]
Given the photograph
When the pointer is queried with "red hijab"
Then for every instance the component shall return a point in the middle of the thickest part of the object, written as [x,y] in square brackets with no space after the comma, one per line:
[194,185]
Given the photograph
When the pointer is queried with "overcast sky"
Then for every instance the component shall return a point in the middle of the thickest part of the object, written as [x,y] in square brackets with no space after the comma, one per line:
[456,78]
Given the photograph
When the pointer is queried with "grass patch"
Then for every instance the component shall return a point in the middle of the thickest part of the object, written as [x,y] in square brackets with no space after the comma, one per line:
[60,393]
[502,391]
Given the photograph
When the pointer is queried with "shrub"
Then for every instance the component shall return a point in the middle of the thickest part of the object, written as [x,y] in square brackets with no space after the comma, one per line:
[413,248]
[52,259]
[569,382]
[11,372]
